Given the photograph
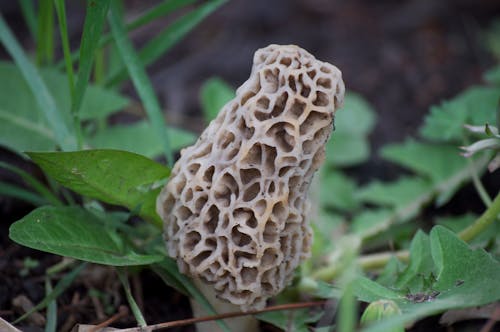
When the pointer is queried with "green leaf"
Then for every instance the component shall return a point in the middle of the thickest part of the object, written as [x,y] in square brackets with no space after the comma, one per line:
[420,267]
[343,150]
[166,39]
[403,191]
[357,117]
[125,137]
[370,222]
[368,291]
[474,106]
[44,100]
[141,81]
[349,145]
[337,190]
[465,278]
[21,126]
[439,162]
[114,177]
[215,93]
[76,233]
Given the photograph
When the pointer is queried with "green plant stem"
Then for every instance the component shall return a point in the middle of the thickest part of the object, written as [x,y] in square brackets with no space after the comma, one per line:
[485,220]
[63,29]
[128,293]
[483,194]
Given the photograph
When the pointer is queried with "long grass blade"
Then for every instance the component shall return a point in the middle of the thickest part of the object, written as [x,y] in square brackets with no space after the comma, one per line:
[51,324]
[162,9]
[29,14]
[166,39]
[63,29]
[37,86]
[131,301]
[45,32]
[34,183]
[61,286]
[141,82]
[10,190]
[92,30]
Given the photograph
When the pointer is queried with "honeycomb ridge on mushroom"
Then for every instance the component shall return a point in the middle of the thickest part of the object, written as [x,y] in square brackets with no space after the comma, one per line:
[235,207]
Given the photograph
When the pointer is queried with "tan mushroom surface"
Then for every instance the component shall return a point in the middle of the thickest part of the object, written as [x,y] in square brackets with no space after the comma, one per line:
[235,207]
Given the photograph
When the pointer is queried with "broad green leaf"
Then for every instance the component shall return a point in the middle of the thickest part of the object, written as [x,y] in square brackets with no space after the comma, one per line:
[357,117]
[475,106]
[215,93]
[434,161]
[343,150]
[140,80]
[139,138]
[368,291]
[370,222]
[22,127]
[441,163]
[465,278]
[337,190]
[403,191]
[390,273]
[77,233]
[349,144]
[418,275]
[114,177]
[45,104]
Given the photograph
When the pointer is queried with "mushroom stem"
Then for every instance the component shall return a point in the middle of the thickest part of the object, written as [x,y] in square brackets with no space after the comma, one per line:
[246,323]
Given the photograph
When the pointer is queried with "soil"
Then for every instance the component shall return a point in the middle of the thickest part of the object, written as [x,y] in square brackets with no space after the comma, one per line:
[402,56]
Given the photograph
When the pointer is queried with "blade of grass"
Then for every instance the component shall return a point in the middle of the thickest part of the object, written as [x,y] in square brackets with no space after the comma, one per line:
[131,301]
[37,86]
[39,187]
[51,322]
[61,286]
[162,9]
[63,29]
[166,39]
[92,29]
[141,82]
[29,14]
[45,37]
[10,190]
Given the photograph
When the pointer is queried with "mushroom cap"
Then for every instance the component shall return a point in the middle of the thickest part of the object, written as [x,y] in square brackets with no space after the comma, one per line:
[235,207]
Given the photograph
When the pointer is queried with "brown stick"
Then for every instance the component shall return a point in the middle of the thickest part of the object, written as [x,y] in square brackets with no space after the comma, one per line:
[183,322]
[122,312]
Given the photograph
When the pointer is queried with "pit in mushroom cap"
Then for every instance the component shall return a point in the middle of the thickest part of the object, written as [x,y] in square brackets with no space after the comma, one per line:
[235,207]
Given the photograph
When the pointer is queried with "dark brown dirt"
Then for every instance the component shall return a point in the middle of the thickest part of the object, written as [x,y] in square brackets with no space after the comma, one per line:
[403,56]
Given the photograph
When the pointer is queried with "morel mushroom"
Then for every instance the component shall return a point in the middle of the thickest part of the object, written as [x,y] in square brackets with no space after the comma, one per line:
[235,207]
